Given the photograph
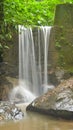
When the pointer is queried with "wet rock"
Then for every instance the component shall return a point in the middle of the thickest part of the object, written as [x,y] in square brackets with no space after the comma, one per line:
[57,102]
[58,75]
[9,111]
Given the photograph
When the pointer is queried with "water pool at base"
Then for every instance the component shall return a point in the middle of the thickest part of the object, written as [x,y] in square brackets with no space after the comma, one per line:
[36,121]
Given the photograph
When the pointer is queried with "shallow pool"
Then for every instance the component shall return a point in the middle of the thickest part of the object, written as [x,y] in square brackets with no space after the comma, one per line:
[35,121]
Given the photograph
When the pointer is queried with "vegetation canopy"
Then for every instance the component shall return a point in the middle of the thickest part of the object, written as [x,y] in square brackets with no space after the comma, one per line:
[31,12]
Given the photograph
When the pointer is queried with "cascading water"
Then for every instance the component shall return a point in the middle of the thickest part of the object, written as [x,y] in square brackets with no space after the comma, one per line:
[28,75]
[33,61]
[46,36]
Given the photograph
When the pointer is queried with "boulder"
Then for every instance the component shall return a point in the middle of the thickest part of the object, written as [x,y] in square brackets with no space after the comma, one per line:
[57,102]
[9,111]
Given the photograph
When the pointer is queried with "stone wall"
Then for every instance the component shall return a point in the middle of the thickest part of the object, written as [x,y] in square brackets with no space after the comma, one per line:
[63,37]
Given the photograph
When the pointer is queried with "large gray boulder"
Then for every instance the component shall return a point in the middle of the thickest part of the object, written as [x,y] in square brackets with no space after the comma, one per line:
[57,102]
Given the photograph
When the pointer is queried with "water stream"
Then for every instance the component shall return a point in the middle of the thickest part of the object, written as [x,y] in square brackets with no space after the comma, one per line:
[35,121]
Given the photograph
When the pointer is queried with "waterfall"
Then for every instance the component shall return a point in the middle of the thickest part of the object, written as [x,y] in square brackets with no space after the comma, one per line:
[33,61]
[30,63]
[27,64]
[46,36]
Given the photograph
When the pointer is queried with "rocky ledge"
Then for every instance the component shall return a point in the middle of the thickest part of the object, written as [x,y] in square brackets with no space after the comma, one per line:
[9,111]
[57,102]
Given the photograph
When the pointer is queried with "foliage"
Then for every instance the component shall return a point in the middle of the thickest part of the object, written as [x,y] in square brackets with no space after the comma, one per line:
[31,12]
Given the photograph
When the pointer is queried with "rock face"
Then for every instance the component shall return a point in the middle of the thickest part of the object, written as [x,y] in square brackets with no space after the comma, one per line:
[8,80]
[9,111]
[63,32]
[57,102]
[8,64]
[5,88]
